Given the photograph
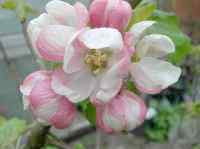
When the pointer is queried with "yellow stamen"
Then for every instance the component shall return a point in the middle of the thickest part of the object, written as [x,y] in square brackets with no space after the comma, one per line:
[96,60]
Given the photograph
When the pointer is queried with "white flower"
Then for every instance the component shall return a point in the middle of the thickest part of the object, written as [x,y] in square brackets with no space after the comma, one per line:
[94,66]
[149,72]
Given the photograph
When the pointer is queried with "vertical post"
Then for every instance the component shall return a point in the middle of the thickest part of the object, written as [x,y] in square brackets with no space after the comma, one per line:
[5,56]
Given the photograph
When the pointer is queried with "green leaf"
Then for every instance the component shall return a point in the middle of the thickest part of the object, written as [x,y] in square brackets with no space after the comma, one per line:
[10,131]
[168,24]
[49,65]
[23,9]
[2,120]
[143,11]
[165,17]
[49,147]
[20,10]
[88,110]
[79,146]
[9,4]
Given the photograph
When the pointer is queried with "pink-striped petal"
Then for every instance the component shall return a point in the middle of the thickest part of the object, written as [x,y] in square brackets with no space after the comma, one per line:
[120,15]
[32,79]
[75,16]
[35,26]
[126,111]
[64,115]
[97,9]
[110,13]
[82,14]
[52,41]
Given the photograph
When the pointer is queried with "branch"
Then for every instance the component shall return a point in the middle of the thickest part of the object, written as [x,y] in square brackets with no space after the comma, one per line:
[35,137]
[77,133]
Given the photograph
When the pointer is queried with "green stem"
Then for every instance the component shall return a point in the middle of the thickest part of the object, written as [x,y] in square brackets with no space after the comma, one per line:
[35,138]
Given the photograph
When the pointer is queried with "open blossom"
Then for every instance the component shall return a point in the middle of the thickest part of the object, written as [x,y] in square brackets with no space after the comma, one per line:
[96,62]
[51,31]
[150,73]
[94,65]
[124,112]
[110,13]
[45,104]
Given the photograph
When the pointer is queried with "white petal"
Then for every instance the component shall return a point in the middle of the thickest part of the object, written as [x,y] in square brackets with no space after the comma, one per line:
[26,102]
[37,24]
[76,87]
[138,30]
[101,38]
[116,124]
[46,111]
[155,45]
[153,75]
[62,12]
[74,57]
[151,113]
[111,82]
[105,95]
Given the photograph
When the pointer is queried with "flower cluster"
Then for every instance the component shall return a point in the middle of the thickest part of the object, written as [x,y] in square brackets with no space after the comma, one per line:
[98,56]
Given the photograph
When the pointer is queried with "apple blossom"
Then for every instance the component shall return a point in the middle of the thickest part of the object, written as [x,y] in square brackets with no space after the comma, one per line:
[94,65]
[45,104]
[124,112]
[51,31]
[150,74]
[97,61]
[110,13]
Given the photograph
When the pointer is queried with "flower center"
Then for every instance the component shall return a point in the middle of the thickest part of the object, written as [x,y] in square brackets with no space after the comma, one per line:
[135,58]
[96,60]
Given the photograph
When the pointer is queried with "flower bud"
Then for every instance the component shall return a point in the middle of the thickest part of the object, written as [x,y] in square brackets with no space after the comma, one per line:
[125,112]
[44,103]
[110,13]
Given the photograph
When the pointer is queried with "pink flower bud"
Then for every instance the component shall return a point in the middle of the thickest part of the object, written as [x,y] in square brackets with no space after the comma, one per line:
[110,13]
[124,113]
[45,104]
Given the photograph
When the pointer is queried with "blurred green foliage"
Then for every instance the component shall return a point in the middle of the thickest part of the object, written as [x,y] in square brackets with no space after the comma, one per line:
[143,11]
[169,117]
[21,7]
[79,146]
[49,147]
[10,130]
[168,24]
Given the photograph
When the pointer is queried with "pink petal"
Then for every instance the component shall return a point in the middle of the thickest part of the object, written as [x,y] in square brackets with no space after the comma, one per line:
[96,11]
[82,14]
[110,13]
[35,26]
[75,16]
[124,112]
[120,15]
[32,79]
[99,121]
[64,115]
[62,12]
[41,94]
[52,41]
